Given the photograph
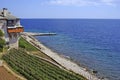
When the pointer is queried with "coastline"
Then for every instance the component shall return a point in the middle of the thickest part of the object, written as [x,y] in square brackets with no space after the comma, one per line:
[68,64]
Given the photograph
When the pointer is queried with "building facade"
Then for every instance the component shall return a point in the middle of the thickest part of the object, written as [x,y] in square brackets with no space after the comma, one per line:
[11,27]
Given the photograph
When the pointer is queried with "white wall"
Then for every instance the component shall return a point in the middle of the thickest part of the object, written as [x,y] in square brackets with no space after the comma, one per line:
[5,31]
[1,24]
[13,41]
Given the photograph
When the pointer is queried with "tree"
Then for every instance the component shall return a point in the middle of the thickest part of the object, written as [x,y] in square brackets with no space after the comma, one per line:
[1,33]
[2,43]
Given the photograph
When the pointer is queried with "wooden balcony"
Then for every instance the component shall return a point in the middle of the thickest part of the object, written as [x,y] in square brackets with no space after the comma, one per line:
[15,30]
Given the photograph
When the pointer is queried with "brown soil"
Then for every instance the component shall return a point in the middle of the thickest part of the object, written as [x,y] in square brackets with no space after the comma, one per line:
[5,75]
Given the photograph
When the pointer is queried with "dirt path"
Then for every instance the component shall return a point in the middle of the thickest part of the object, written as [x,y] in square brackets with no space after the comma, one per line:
[13,73]
[5,75]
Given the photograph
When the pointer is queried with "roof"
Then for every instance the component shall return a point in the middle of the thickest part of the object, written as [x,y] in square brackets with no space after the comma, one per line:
[8,15]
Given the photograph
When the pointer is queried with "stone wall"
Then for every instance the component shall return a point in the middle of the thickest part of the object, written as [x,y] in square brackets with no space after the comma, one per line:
[10,38]
[13,40]
[4,29]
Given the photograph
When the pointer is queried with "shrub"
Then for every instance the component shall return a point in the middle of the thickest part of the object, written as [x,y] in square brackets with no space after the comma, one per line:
[2,43]
[1,33]
[1,49]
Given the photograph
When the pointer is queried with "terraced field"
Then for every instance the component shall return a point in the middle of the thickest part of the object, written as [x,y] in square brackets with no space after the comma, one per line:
[34,68]
[5,75]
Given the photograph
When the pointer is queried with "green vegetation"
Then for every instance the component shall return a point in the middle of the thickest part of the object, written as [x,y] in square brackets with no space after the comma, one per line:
[1,33]
[33,50]
[34,68]
[26,45]
[2,41]
[2,44]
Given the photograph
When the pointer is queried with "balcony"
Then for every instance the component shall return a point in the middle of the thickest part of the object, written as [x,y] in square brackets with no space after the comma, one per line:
[15,29]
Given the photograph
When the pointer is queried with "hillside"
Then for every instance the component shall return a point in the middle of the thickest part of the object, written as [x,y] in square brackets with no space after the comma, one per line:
[34,68]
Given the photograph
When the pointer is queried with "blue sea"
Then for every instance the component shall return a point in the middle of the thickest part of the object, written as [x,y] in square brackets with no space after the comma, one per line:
[93,43]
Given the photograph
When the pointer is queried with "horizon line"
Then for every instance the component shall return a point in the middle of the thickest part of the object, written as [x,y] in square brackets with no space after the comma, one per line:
[69,18]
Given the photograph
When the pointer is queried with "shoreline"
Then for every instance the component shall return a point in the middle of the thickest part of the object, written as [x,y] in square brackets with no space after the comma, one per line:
[65,62]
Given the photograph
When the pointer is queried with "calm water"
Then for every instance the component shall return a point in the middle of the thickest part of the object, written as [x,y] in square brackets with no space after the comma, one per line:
[94,43]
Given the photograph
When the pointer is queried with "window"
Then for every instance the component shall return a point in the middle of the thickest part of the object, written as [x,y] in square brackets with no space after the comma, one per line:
[10,22]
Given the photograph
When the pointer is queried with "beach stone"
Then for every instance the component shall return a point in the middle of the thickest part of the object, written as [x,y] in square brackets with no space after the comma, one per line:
[94,72]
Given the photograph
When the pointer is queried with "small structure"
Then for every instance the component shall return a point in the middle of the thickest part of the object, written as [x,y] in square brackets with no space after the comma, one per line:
[11,27]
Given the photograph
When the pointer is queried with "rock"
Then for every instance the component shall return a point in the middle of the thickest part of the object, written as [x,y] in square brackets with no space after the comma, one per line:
[94,72]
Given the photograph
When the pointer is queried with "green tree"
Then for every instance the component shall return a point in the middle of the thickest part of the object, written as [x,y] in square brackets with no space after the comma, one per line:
[2,43]
[1,33]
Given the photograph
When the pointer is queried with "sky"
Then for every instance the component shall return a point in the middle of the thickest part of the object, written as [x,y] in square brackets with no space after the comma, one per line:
[93,9]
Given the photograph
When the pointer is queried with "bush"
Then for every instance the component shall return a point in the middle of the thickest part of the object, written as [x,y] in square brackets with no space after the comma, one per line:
[1,49]
[1,33]
[2,43]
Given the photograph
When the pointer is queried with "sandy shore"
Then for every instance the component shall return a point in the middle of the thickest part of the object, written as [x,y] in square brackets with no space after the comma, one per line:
[61,60]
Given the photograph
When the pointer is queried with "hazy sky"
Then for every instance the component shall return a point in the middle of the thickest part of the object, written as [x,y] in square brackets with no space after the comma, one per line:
[63,8]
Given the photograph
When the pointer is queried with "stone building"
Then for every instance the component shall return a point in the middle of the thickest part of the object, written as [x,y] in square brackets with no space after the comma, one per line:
[11,27]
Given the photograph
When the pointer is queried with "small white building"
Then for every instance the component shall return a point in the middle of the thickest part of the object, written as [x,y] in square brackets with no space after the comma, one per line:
[11,27]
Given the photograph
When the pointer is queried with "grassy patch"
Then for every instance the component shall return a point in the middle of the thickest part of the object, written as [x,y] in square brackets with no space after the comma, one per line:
[26,45]
[33,50]
[34,68]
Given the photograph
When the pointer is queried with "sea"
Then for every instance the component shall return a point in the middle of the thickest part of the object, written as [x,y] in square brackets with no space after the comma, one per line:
[91,43]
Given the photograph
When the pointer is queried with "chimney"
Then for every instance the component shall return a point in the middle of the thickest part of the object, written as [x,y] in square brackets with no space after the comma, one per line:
[4,12]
